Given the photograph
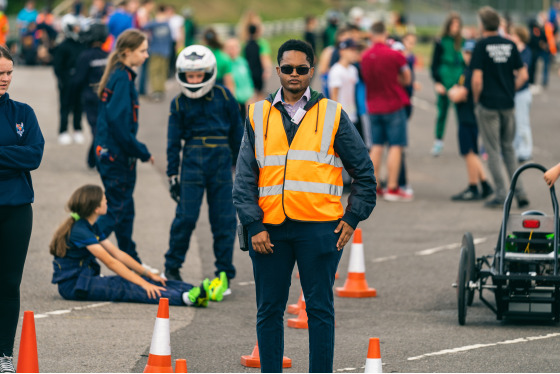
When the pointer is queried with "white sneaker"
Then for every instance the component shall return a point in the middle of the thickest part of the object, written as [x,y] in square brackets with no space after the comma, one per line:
[7,364]
[437,148]
[79,137]
[64,138]
[151,269]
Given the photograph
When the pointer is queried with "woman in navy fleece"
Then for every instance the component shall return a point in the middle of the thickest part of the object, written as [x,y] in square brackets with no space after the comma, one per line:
[21,150]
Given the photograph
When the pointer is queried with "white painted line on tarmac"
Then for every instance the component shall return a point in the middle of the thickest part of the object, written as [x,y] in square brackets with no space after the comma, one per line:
[383,259]
[66,311]
[246,283]
[477,346]
[430,251]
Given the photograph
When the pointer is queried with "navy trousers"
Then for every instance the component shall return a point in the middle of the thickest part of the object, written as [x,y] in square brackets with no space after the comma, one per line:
[119,180]
[313,247]
[116,288]
[216,179]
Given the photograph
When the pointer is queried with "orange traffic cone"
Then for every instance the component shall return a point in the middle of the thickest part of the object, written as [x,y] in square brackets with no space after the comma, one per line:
[356,284]
[159,360]
[300,322]
[181,365]
[373,360]
[254,360]
[295,308]
[28,361]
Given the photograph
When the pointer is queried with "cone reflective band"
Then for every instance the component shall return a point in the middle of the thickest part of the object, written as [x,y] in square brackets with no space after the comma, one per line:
[356,284]
[28,361]
[373,360]
[159,360]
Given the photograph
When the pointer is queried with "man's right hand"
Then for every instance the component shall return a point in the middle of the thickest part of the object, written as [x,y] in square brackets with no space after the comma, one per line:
[261,243]
[440,88]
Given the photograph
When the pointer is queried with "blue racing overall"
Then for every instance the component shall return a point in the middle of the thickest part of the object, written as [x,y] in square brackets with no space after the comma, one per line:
[78,274]
[211,131]
[117,150]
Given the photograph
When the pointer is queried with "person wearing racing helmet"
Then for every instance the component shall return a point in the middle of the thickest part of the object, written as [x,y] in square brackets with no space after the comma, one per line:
[205,118]
[89,70]
[64,62]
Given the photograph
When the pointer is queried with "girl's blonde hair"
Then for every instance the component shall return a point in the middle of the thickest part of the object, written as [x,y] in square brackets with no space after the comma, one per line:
[83,202]
[130,39]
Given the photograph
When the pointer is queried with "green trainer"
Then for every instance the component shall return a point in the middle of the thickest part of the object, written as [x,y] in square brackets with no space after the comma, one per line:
[198,296]
[218,287]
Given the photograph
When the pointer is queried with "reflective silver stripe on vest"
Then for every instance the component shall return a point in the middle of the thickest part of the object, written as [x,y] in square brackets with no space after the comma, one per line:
[315,157]
[270,190]
[313,187]
[328,126]
[258,120]
[275,160]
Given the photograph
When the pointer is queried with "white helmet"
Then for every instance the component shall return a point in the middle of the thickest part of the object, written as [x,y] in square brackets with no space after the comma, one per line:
[196,58]
[68,25]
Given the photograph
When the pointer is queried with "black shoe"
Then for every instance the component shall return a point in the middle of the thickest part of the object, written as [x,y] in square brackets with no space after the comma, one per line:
[522,203]
[467,195]
[173,274]
[495,203]
[522,160]
[487,190]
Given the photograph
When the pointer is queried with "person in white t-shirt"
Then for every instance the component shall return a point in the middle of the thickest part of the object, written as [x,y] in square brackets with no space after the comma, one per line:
[342,80]
[343,77]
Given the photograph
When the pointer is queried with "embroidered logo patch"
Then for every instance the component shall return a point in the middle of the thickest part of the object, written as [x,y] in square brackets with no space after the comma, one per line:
[19,128]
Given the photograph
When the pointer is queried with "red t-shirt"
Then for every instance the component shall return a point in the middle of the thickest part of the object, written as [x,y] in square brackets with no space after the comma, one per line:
[380,69]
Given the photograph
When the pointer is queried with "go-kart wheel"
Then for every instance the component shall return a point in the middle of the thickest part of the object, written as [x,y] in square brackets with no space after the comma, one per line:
[472,272]
[462,286]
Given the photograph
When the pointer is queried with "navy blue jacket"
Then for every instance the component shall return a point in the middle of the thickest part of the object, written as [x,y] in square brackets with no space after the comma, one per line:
[21,150]
[347,144]
[214,114]
[117,124]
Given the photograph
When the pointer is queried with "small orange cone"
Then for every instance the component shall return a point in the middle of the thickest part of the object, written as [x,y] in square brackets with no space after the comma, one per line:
[373,360]
[254,360]
[159,360]
[28,361]
[356,284]
[181,365]
[300,322]
[295,308]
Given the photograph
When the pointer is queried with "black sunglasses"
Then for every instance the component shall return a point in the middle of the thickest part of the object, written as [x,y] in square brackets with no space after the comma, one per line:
[301,70]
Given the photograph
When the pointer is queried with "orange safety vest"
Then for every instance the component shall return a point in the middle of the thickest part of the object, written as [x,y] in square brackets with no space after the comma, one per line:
[301,181]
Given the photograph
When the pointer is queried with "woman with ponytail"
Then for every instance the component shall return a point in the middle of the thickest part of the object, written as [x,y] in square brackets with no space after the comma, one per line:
[116,146]
[77,245]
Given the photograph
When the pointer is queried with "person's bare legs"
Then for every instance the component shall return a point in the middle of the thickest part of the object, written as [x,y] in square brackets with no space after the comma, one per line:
[393,166]
[376,155]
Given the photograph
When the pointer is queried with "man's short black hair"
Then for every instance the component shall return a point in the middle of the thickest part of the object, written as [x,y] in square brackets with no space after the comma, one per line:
[296,45]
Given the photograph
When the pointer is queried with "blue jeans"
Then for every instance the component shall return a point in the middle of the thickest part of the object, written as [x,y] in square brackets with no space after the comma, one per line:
[116,288]
[523,141]
[313,246]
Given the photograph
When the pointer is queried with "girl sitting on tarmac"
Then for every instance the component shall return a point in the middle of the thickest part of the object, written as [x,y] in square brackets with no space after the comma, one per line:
[78,243]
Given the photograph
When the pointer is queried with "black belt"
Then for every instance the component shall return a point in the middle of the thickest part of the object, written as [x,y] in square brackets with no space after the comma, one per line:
[208,141]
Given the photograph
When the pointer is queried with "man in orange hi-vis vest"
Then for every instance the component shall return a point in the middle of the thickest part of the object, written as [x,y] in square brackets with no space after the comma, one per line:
[287,191]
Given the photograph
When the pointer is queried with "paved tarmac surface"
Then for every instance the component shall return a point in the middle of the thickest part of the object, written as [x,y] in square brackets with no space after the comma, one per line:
[411,255]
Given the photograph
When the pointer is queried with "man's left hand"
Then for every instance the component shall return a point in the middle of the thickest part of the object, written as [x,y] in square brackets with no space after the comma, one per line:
[346,234]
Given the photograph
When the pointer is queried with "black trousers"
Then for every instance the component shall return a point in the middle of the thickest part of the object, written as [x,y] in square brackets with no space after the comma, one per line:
[15,231]
[70,102]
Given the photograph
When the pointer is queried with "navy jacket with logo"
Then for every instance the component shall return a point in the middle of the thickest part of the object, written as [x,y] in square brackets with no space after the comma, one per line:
[117,124]
[21,150]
